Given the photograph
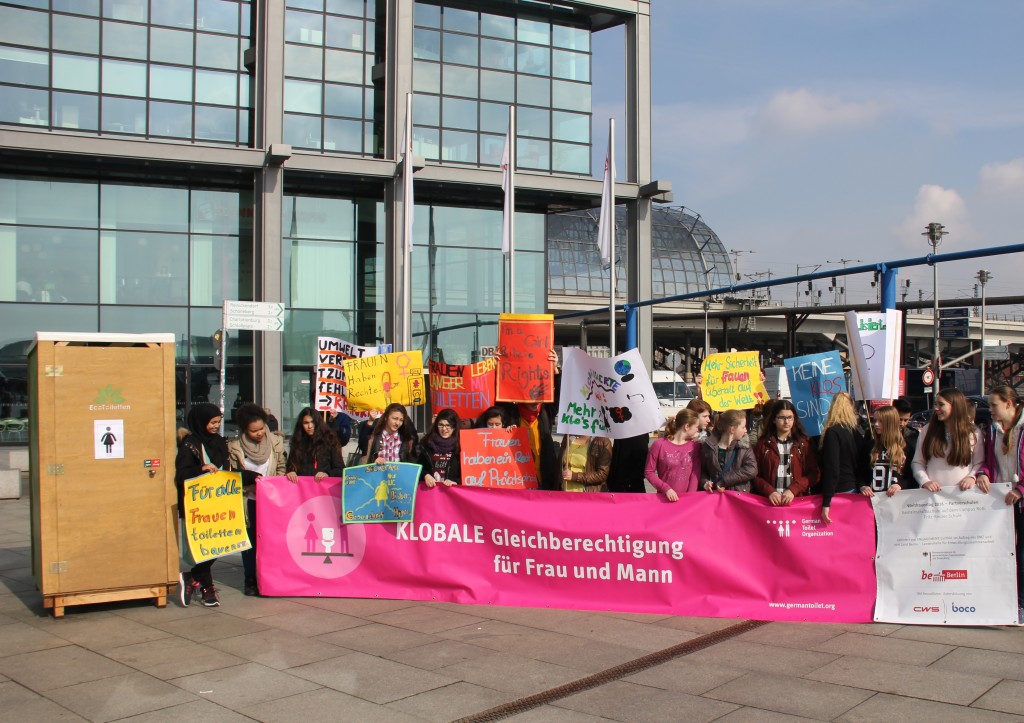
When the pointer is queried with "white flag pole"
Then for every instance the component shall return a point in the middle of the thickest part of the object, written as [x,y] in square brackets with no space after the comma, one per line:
[508,184]
[407,211]
[609,201]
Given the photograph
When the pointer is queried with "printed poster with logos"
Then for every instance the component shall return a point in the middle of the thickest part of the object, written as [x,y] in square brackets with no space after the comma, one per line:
[383,492]
[732,380]
[814,380]
[606,397]
[497,458]
[466,388]
[331,391]
[376,381]
[875,353]
[214,518]
[946,557]
[525,370]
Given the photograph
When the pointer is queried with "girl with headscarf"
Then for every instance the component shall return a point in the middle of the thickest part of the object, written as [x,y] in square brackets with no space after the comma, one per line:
[201,450]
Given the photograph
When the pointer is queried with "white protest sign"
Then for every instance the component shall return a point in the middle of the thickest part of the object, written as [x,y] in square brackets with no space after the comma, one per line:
[606,397]
[331,391]
[945,558]
[875,346]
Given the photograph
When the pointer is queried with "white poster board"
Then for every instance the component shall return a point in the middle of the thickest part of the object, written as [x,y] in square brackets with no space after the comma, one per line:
[875,348]
[945,558]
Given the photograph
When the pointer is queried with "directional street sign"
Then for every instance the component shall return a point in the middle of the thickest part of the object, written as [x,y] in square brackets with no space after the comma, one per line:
[953,323]
[254,315]
[962,333]
[959,312]
[996,353]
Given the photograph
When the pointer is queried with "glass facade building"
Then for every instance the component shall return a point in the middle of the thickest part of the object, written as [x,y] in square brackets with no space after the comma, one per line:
[162,156]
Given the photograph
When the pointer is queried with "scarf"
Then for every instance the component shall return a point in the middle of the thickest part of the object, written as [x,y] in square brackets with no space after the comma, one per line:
[529,416]
[442,445]
[256,453]
[215,445]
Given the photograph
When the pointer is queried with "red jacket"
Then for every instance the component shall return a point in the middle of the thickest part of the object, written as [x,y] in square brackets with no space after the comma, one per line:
[803,465]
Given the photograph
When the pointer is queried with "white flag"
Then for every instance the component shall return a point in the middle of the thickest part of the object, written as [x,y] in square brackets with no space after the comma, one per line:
[606,224]
[407,200]
[508,185]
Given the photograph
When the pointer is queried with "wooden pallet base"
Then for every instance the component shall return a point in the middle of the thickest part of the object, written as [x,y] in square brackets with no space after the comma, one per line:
[59,602]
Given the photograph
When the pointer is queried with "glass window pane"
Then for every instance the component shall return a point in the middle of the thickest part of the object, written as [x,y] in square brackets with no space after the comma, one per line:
[572,96]
[65,203]
[426,77]
[349,7]
[530,234]
[533,31]
[570,127]
[244,85]
[170,83]
[173,14]
[147,320]
[121,115]
[497,86]
[74,110]
[217,16]
[570,158]
[572,66]
[302,131]
[170,119]
[219,212]
[459,81]
[533,122]
[319,218]
[24,320]
[494,117]
[244,127]
[458,146]
[216,124]
[304,61]
[464,21]
[428,16]
[136,11]
[143,268]
[217,271]
[24,27]
[534,91]
[28,67]
[217,51]
[302,97]
[344,100]
[74,72]
[345,67]
[79,7]
[533,154]
[426,142]
[426,44]
[497,26]
[306,4]
[143,208]
[458,113]
[315,283]
[123,78]
[345,33]
[55,265]
[460,49]
[497,54]
[532,59]
[78,35]
[491,149]
[125,41]
[343,135]
[216,88]
[302,27]
[170,46]
[572,38]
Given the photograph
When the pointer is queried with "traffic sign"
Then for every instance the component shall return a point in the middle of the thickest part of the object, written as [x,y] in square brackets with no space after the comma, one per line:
[997,356]
[254,315]
[953,323]
[962,333]
[959,312]
[928,377]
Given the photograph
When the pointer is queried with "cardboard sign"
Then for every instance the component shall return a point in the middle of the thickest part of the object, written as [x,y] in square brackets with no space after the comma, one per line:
[379,492]
[814,380]
[525,373]
[732,381]
[374,382]
[468,389]
[331,391]
[875,345]
[606,397]
[214,516]
[498,458]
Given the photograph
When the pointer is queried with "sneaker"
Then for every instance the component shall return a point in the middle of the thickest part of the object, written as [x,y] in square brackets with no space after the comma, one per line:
[186,588]
[210,597]
[251,589]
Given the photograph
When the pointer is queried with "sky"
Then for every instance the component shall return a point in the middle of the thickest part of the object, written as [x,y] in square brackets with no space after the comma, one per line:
[808,132]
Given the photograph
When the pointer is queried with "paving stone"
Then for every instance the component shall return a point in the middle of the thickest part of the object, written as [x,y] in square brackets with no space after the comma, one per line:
[197,710]
[278,649]
[119,697]
[18,703]
[885,649]
[58,667]
[926,683]
[635,617]
[172,658]
[377,639]
[783,694]
[686,676]
[103,633]
[513,673]
[644,637]
[20,637]
[357,607]
[146,613]
[792,635]
[759,715]
[204,628]
[371,678]
[243,686]
[325,705]
[253,608]
[437,655]
[985,638]
[587,655]
[453,701]
[310,622]
[630,702]
[551,714]
[1007,696]
[914,710]
[15,559]
[983,662]
[425,620]
[11,581]
[769,659]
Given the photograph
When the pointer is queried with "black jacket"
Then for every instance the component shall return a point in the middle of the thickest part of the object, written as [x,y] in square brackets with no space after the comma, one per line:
[840,459]
[426,460]
[329,461]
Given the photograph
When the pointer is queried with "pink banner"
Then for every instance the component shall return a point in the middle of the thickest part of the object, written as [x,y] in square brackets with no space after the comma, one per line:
[721,555]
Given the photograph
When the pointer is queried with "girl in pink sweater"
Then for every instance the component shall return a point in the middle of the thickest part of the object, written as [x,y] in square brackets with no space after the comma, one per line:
[673,464]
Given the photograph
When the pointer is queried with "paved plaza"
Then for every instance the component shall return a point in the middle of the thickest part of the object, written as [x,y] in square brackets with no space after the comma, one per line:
[300,659]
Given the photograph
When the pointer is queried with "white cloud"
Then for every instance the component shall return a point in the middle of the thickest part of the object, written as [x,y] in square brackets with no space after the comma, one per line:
[1003,178]
[804,111]
[938,204]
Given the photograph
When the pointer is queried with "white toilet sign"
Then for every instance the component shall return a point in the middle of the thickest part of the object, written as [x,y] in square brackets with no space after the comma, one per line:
[108,438]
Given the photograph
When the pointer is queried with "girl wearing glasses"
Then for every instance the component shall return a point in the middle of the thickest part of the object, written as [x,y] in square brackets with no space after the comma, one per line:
[786,463]
[440,451]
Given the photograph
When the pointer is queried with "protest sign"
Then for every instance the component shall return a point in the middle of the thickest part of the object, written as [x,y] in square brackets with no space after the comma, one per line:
[814,380]
[384,492]
[525,373]
[466,388]
[606,397]
[946,557]
[732,381]
[497,458]
[374,382]
[875,345]
[214,516]
[331,394]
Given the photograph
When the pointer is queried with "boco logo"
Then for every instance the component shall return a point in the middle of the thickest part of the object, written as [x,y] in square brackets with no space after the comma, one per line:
[961,609]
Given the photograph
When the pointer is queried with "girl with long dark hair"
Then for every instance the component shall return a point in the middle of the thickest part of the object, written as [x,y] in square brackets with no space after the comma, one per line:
[393,438]
[314,450]
[786,463]
[948,451]
[440,451]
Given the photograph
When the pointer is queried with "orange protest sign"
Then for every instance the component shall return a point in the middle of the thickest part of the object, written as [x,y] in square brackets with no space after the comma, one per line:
[498,458]
[525,373]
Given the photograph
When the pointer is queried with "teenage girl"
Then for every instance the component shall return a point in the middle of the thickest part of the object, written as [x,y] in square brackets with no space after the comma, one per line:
[949,452]
[440,457]
[840,452]
[728,460]
[673,464]
[394,438]
[885,463]
[703,410]
[314,450]
[586,462]
[787,465]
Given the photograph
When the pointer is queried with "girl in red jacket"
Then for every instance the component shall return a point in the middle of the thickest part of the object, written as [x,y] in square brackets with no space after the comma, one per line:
[787,465]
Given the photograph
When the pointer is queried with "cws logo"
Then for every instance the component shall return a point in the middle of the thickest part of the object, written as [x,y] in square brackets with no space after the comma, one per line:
[944,576]
[926,609]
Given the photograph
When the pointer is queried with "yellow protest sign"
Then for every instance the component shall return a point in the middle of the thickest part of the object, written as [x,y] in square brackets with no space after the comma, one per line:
[374,382]
[214,515]
[732,381]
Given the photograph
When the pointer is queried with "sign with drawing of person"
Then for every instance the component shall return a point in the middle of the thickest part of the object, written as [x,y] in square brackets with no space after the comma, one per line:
[383,492]
[108,438]
[374,382]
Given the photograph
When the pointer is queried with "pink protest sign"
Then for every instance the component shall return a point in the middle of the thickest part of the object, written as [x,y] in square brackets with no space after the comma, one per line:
[722,555]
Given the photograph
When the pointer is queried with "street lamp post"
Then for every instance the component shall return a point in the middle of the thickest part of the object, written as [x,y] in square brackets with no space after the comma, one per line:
[983,278]
[934,233]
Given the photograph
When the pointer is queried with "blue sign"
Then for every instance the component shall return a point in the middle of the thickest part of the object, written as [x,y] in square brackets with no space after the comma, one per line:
[814,380]
[379,492]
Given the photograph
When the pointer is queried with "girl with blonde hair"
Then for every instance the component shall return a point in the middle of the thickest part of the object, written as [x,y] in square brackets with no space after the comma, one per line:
[885,462]
[840,446]
[673,464]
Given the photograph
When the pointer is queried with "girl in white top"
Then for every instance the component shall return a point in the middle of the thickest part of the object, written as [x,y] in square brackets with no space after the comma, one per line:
[949,451]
